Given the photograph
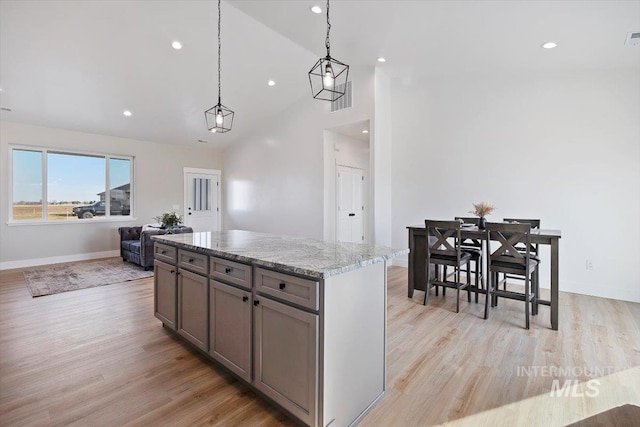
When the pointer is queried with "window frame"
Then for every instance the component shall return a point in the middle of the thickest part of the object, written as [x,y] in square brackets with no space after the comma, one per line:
[44,219]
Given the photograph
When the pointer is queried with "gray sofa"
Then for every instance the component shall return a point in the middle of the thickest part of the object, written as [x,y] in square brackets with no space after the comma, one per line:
[136,245]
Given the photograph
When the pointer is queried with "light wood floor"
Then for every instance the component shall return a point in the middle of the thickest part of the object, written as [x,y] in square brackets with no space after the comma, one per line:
[99,357]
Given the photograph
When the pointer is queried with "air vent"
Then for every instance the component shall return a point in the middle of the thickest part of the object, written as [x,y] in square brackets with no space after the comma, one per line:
[633,39]
[345,101]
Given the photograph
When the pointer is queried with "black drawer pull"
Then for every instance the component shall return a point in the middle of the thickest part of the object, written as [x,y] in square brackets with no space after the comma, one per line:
[228,270]
[256,302]
[163,252]
[173,271]
[190,259]
[282,285]
[245,298]
[352,214]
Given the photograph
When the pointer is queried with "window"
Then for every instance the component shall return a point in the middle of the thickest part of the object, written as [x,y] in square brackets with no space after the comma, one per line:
[74,185]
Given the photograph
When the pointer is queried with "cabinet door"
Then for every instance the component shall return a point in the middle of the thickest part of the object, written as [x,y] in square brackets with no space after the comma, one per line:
[193,308]
[230,327]
[286,357]
[164,295]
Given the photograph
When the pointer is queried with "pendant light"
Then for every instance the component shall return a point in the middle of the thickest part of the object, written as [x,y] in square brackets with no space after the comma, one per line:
[328,77]
[219,118]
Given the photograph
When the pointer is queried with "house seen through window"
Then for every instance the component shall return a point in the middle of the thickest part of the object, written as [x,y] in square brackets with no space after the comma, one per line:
[75,186]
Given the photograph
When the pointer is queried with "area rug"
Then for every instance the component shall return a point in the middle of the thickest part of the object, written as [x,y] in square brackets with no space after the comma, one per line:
[82,275]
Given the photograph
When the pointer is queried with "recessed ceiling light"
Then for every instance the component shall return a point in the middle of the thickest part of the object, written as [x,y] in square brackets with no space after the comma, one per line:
[316,9]
[176,45]
[127,113]
[549,45]
[381,59]
[365,131]
[271,83]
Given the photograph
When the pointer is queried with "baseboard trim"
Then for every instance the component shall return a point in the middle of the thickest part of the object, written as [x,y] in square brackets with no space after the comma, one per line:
[57,259]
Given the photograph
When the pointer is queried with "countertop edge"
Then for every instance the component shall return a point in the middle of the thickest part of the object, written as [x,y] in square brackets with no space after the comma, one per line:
[279,266]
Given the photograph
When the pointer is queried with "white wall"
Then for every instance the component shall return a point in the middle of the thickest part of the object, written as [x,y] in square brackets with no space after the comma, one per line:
[382,161]
[341,150]
[275,178]
[158,186]
[560,146]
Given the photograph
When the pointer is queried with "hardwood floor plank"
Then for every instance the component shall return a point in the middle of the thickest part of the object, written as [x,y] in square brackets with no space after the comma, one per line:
[98,357]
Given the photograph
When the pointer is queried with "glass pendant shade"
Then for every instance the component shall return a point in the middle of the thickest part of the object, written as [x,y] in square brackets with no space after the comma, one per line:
[219,119]
[328,79]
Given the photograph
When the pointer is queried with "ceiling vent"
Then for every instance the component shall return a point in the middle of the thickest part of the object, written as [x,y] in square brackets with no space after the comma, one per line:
[345,101]
[633,39]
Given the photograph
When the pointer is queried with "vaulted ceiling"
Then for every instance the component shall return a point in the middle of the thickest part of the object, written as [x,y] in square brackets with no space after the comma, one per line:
[78,65]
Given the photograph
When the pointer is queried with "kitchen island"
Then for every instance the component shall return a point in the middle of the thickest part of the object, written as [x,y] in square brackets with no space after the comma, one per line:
[301,321]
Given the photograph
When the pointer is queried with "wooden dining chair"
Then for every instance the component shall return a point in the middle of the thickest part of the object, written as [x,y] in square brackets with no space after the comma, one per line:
[474,248]
[507,259]
[444,249]
[535,224]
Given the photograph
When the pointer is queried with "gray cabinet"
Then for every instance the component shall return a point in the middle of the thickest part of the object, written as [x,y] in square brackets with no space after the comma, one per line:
[165,293]
[286,357]
[230,327]
[193,308]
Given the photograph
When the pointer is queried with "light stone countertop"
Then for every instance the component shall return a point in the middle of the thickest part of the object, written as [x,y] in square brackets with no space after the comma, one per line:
[304,256]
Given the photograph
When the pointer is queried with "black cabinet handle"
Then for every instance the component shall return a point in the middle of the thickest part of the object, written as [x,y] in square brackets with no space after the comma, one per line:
[190,259]
[173,271]
[352,214]
[256,302]
[282,285]
[245,298]
[163,252]
[227,270]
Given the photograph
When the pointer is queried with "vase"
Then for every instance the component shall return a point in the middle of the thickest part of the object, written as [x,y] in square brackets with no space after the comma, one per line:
[482,223]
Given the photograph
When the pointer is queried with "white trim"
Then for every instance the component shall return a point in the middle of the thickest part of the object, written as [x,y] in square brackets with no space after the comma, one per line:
[114,218]
[57,259]
[185,190]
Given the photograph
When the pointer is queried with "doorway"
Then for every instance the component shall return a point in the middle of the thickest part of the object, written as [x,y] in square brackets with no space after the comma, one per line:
[202,199]
[346,184]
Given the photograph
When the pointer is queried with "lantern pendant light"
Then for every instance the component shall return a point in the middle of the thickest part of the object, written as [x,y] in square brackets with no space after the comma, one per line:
[328,77]
[219,118]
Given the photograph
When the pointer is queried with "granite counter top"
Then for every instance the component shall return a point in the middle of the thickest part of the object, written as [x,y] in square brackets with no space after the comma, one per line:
[308,257]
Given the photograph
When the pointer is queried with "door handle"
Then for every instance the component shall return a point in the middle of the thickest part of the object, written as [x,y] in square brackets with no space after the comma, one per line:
[282,285]
[189,213]
[352,214]
[227,270]
[245,298]
[256,302]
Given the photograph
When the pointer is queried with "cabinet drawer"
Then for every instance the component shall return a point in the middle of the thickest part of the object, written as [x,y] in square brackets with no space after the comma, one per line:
[231,272]
[164,253]
[302,292]
[193,261]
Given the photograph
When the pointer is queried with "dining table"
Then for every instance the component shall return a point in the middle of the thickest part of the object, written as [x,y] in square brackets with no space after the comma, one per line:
[418,258]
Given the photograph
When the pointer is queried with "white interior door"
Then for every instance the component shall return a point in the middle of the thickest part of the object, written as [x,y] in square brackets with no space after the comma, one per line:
[202,201]
[350,204]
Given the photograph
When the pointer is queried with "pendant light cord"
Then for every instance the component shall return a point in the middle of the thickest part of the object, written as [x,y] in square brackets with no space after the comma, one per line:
[326,42]
[219,48]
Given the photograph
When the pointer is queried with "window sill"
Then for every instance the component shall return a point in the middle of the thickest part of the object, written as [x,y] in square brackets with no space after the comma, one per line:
[69,221]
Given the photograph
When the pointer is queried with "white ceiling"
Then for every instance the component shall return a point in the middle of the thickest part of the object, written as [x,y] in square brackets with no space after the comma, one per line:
[78,65]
